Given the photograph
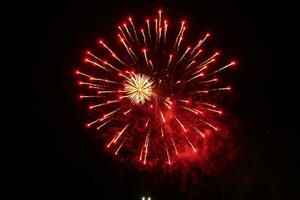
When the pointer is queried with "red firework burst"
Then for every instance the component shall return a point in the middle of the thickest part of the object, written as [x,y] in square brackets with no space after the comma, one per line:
[152,99]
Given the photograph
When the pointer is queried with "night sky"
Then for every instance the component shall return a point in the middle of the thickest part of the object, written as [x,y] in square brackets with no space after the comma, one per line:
[63,160]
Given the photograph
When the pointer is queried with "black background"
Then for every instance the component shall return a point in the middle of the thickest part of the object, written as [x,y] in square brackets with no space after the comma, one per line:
[61,160]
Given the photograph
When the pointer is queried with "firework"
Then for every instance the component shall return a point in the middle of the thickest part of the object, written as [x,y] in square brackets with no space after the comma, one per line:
[152,99]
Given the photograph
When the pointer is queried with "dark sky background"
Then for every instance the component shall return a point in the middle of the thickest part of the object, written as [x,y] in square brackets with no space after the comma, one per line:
[62,159]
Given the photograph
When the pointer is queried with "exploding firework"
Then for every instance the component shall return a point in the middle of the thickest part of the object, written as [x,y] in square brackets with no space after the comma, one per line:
[153,99]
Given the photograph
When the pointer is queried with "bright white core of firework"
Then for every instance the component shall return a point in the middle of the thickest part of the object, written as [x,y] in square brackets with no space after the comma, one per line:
[138,88]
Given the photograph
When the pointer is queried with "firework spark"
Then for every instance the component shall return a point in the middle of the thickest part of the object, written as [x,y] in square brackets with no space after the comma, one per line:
[151,100]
